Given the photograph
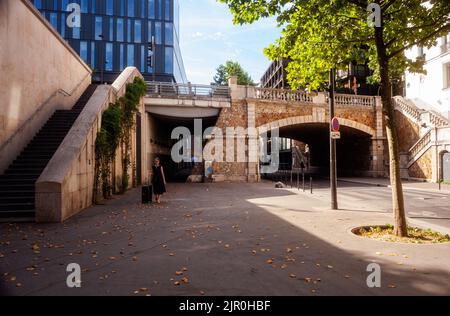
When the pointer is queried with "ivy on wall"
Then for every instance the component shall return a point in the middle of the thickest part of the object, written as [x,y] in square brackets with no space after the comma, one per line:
[116,132]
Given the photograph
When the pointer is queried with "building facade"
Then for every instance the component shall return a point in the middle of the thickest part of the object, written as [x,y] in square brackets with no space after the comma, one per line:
[352,80]
[114,34]
[275,76]
[432,89]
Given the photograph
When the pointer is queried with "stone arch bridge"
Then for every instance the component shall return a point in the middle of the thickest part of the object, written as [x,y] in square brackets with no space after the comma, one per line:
[299,116]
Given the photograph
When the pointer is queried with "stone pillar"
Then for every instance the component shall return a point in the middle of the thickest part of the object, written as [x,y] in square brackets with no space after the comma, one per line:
[377,168]
[252,149]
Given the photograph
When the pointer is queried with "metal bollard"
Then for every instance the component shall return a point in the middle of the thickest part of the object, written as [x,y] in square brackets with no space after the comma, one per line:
[311,184]
[304,184]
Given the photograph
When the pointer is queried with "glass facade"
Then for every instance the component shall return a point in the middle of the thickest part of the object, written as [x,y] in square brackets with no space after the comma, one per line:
[118,33]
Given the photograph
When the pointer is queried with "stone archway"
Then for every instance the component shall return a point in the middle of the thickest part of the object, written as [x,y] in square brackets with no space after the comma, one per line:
[367,142]
[311,120]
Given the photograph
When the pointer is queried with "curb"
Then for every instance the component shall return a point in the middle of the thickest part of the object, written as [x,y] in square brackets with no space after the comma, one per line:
[405,187]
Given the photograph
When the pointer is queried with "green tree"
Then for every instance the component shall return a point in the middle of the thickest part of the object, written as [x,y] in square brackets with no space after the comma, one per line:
[318,35]
[232,68]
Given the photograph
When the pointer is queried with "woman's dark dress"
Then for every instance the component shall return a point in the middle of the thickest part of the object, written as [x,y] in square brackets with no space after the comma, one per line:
[159,187]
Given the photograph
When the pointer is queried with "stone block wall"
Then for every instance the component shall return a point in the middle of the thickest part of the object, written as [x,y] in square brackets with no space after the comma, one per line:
[66,186]
[40,73]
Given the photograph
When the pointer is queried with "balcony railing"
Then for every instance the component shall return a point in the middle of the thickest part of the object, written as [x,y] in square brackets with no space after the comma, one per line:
[445,48]
[354,100]
[283,95]
[176,90]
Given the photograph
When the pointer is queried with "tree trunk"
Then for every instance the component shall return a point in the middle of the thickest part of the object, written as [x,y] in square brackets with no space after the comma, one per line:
[398,204]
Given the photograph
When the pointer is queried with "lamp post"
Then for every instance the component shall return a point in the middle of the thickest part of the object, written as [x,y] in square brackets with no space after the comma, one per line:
[333,165]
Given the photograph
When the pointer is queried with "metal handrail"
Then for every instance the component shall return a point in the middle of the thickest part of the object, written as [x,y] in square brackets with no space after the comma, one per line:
[39,109]
[168,89]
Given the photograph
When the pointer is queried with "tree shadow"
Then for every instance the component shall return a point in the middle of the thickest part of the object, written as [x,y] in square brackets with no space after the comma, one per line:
[229,245]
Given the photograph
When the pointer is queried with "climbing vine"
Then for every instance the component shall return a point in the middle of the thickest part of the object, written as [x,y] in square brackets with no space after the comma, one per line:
[116,133]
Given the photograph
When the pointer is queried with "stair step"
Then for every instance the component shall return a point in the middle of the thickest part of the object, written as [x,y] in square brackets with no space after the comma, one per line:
[17,206]
[17,187]
[18,193]
[29,199]
[12,176]
[14,214]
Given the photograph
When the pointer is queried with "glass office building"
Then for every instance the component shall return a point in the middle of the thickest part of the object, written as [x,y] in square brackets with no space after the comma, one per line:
[114,34]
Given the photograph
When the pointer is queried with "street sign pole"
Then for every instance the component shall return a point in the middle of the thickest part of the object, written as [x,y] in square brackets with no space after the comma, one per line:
[333,165]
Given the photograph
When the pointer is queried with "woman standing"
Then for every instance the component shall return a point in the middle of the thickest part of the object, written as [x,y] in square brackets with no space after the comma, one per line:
[158,180]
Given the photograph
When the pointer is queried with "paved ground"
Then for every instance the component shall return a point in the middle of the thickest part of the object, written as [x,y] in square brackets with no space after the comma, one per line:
[226,239]
[425,204]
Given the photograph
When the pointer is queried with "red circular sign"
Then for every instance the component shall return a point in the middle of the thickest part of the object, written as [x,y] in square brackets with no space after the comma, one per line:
[335,125]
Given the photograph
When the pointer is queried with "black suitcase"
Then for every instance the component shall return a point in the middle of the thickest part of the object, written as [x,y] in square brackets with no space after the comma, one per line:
[147,194]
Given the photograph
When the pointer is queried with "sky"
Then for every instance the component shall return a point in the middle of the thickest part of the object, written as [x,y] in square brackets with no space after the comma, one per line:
[208,38]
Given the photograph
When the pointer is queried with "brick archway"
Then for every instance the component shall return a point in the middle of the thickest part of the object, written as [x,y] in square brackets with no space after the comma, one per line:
[298,120]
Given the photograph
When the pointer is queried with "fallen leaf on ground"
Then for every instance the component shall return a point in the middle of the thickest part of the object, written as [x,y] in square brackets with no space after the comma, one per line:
[185,280]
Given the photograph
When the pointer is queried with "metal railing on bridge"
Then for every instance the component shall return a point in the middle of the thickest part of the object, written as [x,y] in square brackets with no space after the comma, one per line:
[177,90]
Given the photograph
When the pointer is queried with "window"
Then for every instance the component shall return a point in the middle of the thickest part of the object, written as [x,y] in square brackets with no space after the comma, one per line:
[54,20]
[84,6]
[159,9]
[119,33]
[83,51]
[168,60]
[167,10]
[169,33]
[109,57]
[93,6]
[122,7]
[137,31]
[55,5]
[98,28]
[420,51]
[63,25]
[121,57]
[143,59]
[131,8]
[151,9]
[76,32]
[64,4]
[142,9]
[111,29]
[38,4]
[128,30]
[158,33]
[130,55]
[93,55]
[447,71]
[150,33]
[109,7]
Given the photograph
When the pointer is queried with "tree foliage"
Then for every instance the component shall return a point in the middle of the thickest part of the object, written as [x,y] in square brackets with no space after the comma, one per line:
[232,68]
[319,35]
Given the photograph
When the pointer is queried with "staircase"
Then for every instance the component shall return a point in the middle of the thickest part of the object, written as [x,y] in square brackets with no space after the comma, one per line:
[17,184]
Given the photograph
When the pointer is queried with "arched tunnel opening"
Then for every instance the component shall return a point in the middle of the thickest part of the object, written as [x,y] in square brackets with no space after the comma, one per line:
[353,149]
[161,144]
